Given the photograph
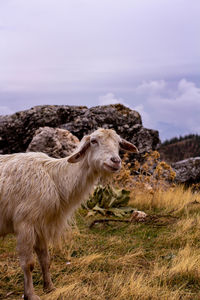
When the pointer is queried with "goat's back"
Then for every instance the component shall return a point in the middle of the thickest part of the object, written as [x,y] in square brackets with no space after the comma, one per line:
[27,192]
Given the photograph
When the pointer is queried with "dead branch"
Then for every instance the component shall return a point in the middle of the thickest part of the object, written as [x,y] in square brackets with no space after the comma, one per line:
[157,220]
[107,221]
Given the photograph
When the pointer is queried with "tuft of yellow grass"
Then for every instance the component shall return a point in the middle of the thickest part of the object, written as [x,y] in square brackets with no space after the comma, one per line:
[186,263]
[174,198]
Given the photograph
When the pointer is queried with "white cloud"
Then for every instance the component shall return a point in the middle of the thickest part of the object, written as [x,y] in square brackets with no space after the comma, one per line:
[151,87]
[167,107]
[184,86]
[110,98]
[146,119]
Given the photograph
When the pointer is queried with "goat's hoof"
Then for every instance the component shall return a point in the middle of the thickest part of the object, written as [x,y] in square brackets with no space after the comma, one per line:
[49,288]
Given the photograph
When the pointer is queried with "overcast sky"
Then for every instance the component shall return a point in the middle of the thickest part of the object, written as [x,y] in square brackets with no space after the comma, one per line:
[142,53]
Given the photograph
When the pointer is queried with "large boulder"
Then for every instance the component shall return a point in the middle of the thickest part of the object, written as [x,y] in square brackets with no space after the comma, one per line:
[126,122]
[17,130]
[187,171]
[55,142]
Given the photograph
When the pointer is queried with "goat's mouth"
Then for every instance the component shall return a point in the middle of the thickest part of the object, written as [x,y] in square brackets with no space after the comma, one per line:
[111,168]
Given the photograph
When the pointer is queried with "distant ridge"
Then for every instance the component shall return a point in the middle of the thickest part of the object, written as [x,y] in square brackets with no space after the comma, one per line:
[177,149]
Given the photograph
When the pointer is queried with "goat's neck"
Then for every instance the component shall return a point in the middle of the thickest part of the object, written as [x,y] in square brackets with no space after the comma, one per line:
[74,181]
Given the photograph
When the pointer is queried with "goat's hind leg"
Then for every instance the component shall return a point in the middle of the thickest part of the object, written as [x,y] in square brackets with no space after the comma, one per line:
[25,243]
[44,260]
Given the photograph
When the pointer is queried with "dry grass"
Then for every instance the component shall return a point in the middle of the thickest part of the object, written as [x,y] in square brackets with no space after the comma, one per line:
[170,199]
[121,260]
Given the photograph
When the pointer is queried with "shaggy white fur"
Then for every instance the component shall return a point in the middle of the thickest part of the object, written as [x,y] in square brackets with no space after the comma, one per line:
[38,195]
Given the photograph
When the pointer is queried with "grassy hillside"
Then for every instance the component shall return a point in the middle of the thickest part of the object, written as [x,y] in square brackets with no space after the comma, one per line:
[181,148]
[158,259]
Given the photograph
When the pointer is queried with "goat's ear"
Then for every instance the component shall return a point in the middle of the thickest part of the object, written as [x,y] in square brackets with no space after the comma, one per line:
[77,156]
[125,145]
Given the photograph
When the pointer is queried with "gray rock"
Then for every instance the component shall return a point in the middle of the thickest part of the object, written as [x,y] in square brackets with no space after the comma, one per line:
[17,130]
[55,142]
[188,170]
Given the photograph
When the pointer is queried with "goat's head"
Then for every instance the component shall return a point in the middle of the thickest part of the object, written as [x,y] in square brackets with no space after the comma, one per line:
[102,149]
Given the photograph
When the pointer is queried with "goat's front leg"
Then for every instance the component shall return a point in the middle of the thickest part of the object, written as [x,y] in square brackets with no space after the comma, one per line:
[44,260]
[25,242]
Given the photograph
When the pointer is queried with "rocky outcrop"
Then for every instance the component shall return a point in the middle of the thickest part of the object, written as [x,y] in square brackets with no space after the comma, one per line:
[118,117]
[55,142]
[187,171]
[17,130]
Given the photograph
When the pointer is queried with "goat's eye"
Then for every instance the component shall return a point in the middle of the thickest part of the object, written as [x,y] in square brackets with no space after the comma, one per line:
[94,141]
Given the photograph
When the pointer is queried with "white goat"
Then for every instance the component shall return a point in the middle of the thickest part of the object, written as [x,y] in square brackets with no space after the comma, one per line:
[38,195]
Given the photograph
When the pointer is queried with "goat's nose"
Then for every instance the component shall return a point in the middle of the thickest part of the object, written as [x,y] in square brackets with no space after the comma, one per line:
[115,160]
